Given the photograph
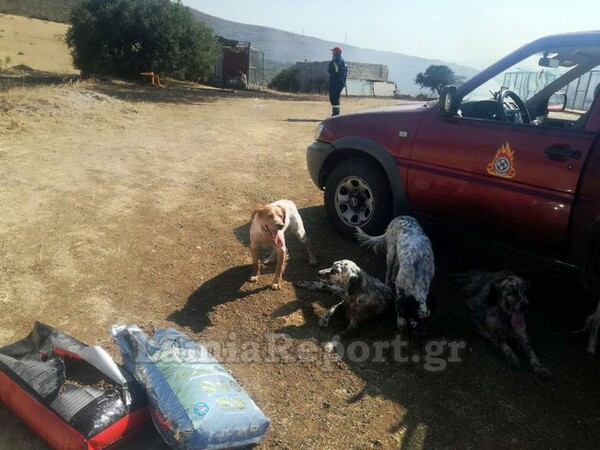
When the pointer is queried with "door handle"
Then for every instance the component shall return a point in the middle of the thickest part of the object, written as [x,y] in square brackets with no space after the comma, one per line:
[561,153]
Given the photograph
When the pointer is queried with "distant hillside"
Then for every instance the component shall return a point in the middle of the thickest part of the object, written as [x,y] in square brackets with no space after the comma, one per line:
[52,10]
[280,48]
[32,46]
[285,47]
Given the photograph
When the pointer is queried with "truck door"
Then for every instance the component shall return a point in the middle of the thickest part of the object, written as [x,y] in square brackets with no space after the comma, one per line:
[516,180]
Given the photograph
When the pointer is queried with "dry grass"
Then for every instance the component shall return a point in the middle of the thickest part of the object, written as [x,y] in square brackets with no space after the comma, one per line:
[78,103]
[123,203]
[34,43]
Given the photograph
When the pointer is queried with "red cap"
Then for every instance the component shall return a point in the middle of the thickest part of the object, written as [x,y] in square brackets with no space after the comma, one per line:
[336,50]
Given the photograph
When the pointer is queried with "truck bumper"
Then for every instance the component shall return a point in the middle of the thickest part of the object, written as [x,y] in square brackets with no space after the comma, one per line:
[316,154]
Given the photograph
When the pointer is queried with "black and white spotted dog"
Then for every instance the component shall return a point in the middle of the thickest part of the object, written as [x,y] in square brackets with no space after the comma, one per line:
[363,296]
[497,302]
[410,269]
[591,327]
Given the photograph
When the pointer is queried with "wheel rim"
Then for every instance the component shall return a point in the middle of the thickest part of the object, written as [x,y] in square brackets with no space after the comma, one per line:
[354,201]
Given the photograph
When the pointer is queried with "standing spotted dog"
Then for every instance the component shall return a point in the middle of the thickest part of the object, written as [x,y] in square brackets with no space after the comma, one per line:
[410,269]
[267,229]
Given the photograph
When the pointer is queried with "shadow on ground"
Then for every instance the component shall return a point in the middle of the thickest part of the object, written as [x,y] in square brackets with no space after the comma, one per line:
[464,399]
[232,285]
[176,92]
[187,93]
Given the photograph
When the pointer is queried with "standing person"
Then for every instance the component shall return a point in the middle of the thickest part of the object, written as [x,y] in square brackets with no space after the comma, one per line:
[337,79]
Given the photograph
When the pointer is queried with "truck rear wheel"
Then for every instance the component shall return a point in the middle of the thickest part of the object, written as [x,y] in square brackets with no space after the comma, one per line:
[357,194]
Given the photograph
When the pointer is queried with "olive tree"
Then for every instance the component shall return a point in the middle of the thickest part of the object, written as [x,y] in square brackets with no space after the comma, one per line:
[126,37]
[436,77]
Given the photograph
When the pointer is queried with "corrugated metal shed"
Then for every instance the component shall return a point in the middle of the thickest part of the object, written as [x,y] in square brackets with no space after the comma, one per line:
[239,57]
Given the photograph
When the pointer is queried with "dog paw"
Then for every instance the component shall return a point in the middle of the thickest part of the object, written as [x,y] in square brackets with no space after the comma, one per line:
[331,346]
[324,321]
[276,286]
[253,279]
[401,323]
[591,348]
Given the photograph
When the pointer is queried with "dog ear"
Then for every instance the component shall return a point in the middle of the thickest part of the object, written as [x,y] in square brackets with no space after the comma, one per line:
[355,283]
[495,290]
[284,212]
[257,209]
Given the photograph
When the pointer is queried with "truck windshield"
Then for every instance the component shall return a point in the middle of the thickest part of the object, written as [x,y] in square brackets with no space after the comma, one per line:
[526,78]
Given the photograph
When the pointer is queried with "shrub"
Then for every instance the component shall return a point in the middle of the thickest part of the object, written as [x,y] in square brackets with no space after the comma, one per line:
[286,80]
[125,37]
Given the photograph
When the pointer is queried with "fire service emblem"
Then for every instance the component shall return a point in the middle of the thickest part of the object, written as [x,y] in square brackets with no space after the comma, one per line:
[503,164]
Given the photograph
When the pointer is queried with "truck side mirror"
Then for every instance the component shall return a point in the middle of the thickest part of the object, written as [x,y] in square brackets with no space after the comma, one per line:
[448,99]
[557,102]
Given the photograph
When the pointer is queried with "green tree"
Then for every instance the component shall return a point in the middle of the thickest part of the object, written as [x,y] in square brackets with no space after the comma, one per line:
[286,80]
[125,37]
[436,77]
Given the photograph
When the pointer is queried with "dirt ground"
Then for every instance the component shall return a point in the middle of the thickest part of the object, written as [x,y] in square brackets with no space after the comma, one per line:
[127,204]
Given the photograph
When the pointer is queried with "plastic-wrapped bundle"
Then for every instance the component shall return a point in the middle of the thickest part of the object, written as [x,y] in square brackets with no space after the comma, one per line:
[194,402]
[72,395]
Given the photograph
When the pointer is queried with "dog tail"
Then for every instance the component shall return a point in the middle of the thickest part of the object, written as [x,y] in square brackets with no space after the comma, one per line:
[375,243]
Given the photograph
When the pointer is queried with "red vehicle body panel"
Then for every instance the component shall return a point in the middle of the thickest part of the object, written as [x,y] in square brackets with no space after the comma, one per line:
[535,183]
[451,177]
[374,125]
[586,212]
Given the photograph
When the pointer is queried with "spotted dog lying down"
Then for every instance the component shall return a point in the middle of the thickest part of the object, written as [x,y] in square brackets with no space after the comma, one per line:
[410,269]
[497,302]
[363,296]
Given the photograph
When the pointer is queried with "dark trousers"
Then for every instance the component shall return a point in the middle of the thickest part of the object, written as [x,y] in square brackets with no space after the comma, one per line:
[334,99]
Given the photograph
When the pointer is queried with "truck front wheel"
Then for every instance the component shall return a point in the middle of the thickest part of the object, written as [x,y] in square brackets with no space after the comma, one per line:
[357,194]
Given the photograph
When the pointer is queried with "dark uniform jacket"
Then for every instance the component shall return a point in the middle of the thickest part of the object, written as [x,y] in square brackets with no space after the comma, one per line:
[337,73]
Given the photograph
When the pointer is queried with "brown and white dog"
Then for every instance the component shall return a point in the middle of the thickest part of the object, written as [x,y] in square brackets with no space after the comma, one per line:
[497,302]
[267,229]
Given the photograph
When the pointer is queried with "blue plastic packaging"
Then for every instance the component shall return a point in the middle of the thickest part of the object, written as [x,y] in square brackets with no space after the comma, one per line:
[194,402]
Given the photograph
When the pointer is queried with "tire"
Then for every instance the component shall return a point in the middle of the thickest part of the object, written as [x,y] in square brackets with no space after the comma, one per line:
[357,193]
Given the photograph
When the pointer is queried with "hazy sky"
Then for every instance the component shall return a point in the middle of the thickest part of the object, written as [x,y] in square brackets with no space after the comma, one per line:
[462,31]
